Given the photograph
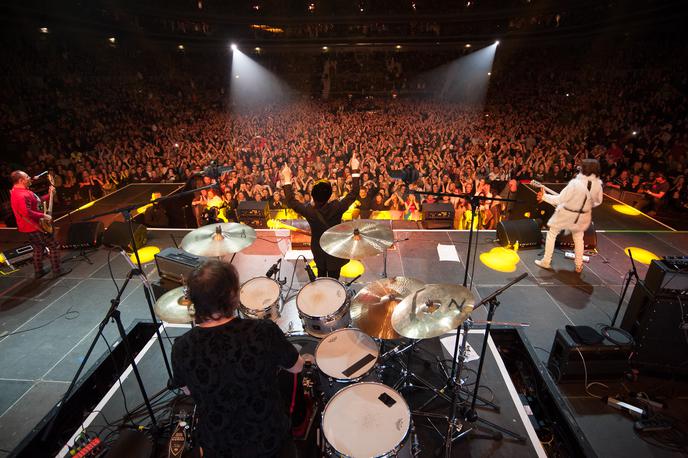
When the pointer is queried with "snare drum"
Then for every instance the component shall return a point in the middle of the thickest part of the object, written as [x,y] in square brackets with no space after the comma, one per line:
[344,357]
[323,306]
[368,420]
[259,298]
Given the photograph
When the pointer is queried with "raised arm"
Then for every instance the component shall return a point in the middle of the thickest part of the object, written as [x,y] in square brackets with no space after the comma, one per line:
[290,200]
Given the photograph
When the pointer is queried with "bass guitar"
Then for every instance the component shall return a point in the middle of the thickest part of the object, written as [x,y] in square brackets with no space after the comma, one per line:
[45,223]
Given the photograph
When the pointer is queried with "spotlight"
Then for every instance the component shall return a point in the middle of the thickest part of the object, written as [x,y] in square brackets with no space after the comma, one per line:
[468,45]
[489,73]
[44,30]
[497,42]
[398,46]
[233,46]
[180,47]
[236,76]
[112,40]
[257,49]
[325,48]
[311,7]
[635,133]
[567,94]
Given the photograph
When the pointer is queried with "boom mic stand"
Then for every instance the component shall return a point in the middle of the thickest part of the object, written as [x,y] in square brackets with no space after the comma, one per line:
[126,212]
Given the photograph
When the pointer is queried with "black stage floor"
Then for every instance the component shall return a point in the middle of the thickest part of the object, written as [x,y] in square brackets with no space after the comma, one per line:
[52,322]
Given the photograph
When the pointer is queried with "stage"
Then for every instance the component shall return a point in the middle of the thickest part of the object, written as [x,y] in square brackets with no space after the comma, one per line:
[37,364]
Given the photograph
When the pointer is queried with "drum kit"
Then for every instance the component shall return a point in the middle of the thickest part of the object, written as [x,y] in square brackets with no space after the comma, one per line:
[345,337]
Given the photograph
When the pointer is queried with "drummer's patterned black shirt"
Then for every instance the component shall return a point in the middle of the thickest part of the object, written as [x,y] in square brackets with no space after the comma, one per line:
[231,371]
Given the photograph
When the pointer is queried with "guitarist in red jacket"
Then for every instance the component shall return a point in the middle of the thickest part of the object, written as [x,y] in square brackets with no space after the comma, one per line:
[25,205]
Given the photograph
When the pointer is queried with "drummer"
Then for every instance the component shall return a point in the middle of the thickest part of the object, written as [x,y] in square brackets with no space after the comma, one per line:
[229,366]
[323,215]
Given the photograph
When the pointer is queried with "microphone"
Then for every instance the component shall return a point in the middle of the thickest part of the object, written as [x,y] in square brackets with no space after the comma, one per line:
[273,270]
[311,274]
[36,177]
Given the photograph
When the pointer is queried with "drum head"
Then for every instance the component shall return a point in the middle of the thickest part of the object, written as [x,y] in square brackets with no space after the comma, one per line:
[346,354]
[366,419]
[259,293]
[322,297]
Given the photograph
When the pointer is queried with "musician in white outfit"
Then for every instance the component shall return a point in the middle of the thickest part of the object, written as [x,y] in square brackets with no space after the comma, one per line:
[573,211]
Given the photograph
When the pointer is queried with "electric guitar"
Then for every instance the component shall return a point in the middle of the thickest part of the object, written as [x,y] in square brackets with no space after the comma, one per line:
[47,225]
[542,186]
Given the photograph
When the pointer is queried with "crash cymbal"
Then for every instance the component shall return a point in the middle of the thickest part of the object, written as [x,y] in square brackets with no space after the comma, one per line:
[174,307]
[371,309]
[432,311]
[357,239]
[216,240]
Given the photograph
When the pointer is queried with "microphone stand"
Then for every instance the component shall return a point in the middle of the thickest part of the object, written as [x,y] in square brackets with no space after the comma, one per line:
[126,212]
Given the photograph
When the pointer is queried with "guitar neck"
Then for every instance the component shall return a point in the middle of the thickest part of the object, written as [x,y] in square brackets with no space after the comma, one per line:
[540,185]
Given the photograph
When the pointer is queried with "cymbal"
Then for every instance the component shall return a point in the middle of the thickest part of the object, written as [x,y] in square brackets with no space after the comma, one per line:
[216,240]
[174,307]
[371,309]
[432,311]
[357,239]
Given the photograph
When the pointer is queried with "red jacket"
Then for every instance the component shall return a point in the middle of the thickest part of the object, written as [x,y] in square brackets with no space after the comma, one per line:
[26,210]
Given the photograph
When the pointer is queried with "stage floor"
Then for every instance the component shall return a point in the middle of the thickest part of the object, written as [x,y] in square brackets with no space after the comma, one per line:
[52,322]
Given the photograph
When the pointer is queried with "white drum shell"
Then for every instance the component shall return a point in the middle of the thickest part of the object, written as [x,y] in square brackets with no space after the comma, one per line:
[323,306]
[259,298]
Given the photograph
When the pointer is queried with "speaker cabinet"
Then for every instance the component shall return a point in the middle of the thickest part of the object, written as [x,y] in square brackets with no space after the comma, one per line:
[117,235]
[524,231]
[589,239]
[254,214]
[84,234]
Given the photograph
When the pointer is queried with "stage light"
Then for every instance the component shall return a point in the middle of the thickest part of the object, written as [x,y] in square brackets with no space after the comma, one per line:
[236,76]
[180,47]
[176,145]
[497,42]
[626,209]
[233,46]
[567,94]
[325,48]
[257,49]
[112,40]
[489,73]
[635,133]
[353,269]
[311,7]
[641,255]
[500,259]
[468,45]
[398,46]
[44,30]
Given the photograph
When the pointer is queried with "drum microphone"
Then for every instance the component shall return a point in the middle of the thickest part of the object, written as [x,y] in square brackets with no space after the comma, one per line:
[309,271]
[273,270]
[349,284]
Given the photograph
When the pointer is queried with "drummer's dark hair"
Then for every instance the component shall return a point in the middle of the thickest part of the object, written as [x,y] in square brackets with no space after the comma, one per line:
[214,290]
[321,192]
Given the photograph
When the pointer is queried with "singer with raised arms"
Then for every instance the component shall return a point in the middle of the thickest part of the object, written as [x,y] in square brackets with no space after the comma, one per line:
[323,215]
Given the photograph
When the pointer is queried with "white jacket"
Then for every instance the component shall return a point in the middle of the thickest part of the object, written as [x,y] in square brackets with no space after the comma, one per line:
[571,198]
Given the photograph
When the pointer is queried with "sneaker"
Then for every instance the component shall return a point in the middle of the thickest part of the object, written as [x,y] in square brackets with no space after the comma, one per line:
[40,273]
[543,264]
[61,273]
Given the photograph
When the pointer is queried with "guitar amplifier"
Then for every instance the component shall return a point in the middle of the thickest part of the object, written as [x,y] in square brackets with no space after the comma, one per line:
[602,360]
[589,239]
[437,216]
[175,264]
[667,275]
[255,214]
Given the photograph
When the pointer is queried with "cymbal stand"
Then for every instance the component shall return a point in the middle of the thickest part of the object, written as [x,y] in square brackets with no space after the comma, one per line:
[384,257]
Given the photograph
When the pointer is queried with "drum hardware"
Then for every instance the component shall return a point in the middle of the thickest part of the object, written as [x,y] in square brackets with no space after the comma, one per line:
[456,425]
[384,256]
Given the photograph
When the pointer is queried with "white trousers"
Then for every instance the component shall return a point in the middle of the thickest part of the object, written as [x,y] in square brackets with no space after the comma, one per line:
[578,246]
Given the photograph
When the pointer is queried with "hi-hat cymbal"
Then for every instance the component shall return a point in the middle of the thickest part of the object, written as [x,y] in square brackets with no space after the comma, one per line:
[174,307]
[221,239]
[371,309]
[432,311]
[357,239]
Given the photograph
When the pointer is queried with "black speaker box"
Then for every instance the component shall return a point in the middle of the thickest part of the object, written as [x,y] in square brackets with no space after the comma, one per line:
[589,239]
[84,234]
[253,213]
[524,231]
[603,360]
[669,275]
[117,235]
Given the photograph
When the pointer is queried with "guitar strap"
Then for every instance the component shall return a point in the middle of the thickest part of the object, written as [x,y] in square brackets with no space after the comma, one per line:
[587,194]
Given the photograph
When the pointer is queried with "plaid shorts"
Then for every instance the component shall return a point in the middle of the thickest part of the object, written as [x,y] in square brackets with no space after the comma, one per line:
[40,241]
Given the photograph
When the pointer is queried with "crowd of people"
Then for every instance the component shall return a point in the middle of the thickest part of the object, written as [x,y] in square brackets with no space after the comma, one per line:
[65,111]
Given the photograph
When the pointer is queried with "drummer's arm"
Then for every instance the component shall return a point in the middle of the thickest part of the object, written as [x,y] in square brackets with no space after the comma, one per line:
[297,367]
[291,201]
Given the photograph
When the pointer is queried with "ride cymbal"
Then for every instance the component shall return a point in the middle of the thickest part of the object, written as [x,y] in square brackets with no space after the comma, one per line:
[432,311]
[371,309]
[357,239]
[215,240]
[174,307]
